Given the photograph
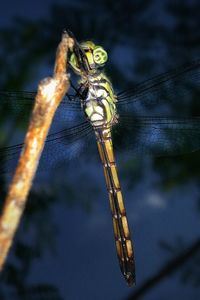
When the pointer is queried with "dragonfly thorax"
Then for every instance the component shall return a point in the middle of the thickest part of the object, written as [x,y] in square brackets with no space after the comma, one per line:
[99,103]
[97,95]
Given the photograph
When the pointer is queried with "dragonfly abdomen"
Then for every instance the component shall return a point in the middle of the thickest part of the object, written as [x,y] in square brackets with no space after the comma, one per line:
[120,224]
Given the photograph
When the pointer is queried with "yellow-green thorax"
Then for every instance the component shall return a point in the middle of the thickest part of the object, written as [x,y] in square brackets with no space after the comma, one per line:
[99,100]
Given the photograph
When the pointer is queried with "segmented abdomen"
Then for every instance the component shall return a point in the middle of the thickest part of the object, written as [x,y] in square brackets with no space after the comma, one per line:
[120,224]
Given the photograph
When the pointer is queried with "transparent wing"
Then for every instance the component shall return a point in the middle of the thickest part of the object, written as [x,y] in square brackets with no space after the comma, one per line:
[17,101]
[148,122]
[171,91]
[70,133]
[60,147]
[157,135]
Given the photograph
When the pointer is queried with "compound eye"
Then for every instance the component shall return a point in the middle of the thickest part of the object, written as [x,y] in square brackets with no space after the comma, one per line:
[100,55]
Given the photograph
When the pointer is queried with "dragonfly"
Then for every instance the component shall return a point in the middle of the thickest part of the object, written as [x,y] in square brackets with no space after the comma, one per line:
[139,120]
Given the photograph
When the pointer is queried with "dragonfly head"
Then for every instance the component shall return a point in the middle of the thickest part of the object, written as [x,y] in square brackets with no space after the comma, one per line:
[93,58]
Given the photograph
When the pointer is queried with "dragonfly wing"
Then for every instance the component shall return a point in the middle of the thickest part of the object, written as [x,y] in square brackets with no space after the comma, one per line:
[18,99]
[20,104]
[61,146]
[171,90]
[158,136]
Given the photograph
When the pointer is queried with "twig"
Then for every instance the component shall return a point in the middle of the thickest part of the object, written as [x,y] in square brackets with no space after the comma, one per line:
[169,268]
[49,95]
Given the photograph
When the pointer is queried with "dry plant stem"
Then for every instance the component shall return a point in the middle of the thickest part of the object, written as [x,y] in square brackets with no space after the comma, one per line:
[49,95]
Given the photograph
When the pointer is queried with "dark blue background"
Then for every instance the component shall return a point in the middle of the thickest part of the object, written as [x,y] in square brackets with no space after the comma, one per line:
[65,241]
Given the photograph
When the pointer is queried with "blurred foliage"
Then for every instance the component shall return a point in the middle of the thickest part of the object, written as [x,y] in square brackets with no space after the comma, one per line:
[184,257]
[158,35]
[37,233]
[190,270]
